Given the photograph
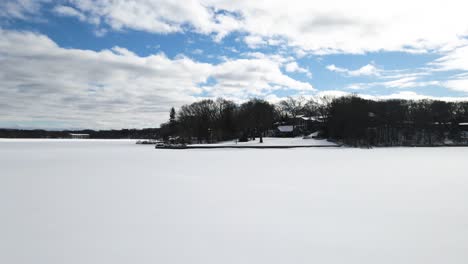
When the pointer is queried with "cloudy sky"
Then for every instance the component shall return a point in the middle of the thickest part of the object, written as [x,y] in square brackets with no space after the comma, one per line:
[123,63]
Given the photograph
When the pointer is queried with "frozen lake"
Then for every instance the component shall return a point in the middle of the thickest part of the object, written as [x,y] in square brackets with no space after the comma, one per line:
[116,202]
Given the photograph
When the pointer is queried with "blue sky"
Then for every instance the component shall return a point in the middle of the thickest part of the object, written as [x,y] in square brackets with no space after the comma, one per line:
[115,64]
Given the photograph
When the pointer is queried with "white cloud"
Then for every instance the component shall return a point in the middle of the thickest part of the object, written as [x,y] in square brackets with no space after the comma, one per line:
[117,88]
[110,88]
[163,16]
[243,78]
[20,9]
[405,73]
[300,53]
[404,95]
[366,70]
[287,62]
[197,51]
[332,26]
[409,95]
[281,60]
[402,83]
[69,11]
[333,68]
[254,41]
[462,75]
[44,83]
[460,85]
[294,67]
[399,79]
[100,32]
[455,59]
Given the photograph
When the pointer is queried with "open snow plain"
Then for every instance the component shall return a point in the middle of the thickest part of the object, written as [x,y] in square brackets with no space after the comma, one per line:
[116,202]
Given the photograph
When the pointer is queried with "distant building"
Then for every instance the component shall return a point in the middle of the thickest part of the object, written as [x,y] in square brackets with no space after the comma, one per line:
[307,123]
[79,136]
[298,125]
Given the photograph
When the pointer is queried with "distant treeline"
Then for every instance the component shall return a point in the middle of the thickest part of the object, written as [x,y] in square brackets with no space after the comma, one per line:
[147,133]
[351,120]
[356,121]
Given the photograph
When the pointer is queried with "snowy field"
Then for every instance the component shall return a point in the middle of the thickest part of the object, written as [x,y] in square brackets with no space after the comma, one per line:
[86,202]
[270,141]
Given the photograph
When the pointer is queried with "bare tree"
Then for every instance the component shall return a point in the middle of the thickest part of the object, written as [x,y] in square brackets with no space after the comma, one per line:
[292,107]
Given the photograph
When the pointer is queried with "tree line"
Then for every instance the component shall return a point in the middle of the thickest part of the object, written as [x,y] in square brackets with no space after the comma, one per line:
[216,120]
[350,119]
[357,121]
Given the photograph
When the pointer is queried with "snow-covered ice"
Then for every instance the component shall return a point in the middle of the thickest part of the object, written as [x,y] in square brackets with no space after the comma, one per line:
[117,202]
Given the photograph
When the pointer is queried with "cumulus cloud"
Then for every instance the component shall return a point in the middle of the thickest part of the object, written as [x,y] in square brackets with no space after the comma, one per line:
[110,88]
[287,62]
[281,60]
[254,41]
[243,78]
[43,82]
[367,70]
[294,67]
[332,26]
[162,16]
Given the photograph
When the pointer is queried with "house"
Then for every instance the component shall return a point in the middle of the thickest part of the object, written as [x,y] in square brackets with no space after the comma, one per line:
[300,124]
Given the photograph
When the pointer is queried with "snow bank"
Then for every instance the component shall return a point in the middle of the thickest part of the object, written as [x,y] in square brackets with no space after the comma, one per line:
[118,202]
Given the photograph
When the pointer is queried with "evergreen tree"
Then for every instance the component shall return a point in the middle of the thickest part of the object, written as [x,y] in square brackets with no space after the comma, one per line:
[172,115]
